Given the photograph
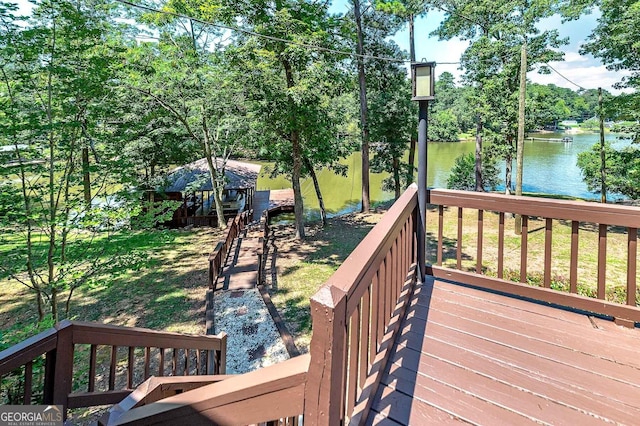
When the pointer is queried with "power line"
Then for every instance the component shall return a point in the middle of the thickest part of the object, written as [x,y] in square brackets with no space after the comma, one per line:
[557,72]
[264,36]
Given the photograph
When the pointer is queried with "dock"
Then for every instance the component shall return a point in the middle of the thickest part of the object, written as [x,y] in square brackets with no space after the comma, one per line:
[567,139]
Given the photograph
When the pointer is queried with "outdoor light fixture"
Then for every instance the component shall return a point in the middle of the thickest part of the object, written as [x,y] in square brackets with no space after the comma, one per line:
[423,90]
[423,81]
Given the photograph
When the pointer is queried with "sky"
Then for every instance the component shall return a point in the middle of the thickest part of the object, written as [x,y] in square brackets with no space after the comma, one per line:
[585,71]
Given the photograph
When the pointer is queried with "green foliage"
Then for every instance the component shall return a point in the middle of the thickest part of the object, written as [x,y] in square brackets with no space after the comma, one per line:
[622,170]
[443,127]
[462,175]
[56,70]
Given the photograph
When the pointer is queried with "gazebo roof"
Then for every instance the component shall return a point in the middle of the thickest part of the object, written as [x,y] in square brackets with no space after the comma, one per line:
[238,175]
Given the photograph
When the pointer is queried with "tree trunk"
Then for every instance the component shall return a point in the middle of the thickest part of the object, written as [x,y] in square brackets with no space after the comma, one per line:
[396,177]
[297,191]
[478,165]
[298,207]
[50,280]
[508,168]
[316,185]
[366,202]
[213,172]
[412,141]
[86,177]
[40,304]
[520,143]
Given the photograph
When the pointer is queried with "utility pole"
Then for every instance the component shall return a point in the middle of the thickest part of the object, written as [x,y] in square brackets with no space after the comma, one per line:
[520,142]
[603,172]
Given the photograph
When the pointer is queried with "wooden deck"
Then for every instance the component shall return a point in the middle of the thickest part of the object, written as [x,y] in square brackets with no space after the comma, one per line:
[466,355]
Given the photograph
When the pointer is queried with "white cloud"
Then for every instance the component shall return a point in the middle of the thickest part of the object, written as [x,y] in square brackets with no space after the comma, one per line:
[584,71]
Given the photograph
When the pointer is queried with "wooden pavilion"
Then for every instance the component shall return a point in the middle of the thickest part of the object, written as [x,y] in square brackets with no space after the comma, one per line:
[191,184]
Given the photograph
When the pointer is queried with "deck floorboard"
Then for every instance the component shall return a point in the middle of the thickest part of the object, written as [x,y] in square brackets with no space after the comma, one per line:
[467,355]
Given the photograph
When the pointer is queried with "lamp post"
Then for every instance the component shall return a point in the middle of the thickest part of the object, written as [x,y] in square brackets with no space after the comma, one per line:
[423,85]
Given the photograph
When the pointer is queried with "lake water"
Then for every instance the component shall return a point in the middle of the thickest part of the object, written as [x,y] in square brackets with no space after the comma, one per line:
[549,167]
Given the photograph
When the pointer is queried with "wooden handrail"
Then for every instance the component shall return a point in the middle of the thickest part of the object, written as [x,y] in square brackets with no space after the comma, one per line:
[352,316]
[219,254]
[61,344]
[267,394]
[574,212]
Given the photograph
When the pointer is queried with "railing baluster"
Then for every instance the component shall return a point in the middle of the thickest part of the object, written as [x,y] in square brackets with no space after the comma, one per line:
[459,245]
[174,361]
[198,363]
[92,368]
[376,320]
[501,245]
[387,288]
[28,382]
[602,260]
[365,335]
[524,248]
[352,366]
[112,367]
[396,274]
[147,362]
[480,235]
[573,264]
[440,235]
[632,256]
[186,361]
[548,236]
[130,366]
[161,366]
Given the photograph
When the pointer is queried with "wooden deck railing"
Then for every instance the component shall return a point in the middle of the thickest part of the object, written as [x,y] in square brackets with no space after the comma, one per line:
[356,315]
[219,254]
[553,214]
[274,395]
[88,364]
[358,312]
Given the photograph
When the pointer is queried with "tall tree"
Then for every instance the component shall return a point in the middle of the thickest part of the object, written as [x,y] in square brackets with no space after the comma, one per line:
[408,10]
[185,73]
[615,42]
[289,85]
[362,86]
[497,31]
[55,71]
[392,118]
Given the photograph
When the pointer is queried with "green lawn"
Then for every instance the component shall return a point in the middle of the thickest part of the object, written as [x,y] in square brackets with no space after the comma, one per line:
[160,284]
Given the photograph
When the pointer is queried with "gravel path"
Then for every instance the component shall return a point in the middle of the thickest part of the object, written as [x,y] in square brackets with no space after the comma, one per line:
[253,340]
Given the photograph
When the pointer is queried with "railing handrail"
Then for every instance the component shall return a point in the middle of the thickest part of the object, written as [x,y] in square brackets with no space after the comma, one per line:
[575,212]
[101,334]
[218,255]
[58,343]
[358,267]
[353,326]
[245,399]
[581,211]
[31,348]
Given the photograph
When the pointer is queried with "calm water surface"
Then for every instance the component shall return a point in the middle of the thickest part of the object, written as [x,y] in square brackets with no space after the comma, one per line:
[549,167]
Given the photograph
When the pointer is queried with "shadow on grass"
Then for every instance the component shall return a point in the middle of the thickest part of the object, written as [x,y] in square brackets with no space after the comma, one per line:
[143,283]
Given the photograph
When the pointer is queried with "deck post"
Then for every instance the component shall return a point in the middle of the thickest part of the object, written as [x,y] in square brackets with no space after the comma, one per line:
[325,388]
